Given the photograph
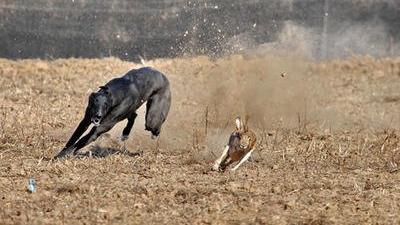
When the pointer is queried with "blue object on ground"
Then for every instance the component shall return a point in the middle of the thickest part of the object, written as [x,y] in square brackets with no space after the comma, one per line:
[32,185]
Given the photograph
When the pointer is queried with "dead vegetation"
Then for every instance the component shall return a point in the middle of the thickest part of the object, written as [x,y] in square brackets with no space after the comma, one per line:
[329,146]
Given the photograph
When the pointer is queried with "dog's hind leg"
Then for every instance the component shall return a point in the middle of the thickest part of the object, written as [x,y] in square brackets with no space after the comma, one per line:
[82,127]
[129,125]
[157,109]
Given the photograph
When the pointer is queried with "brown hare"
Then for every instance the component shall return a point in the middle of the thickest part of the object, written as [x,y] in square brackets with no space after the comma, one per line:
[239,148]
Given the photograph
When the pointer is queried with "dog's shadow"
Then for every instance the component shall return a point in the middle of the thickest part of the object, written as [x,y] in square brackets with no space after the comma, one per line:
[97,151]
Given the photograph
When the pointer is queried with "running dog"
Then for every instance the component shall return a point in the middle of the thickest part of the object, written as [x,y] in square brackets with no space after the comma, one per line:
[118,100]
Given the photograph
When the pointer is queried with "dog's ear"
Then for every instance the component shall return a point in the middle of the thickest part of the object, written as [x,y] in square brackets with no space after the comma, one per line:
[105,89]
[91,96]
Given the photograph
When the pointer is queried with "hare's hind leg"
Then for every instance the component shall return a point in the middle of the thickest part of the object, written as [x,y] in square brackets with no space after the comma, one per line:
[219,160]
[244,159]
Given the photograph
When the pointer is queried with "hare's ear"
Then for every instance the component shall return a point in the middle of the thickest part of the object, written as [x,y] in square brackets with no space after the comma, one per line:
[239,124]
[246,123]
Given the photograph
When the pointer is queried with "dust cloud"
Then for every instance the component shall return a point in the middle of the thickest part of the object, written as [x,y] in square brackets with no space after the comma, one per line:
[345,40]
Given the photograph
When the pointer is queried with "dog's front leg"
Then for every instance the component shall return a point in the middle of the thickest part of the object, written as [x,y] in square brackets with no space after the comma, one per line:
[82,127]
[80,144]
[94,133]
[129,125]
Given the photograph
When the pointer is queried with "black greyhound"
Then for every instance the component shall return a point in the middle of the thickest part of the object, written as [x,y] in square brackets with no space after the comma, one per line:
[118,100]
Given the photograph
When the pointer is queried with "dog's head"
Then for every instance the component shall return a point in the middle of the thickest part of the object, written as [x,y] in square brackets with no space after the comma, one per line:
[99,104]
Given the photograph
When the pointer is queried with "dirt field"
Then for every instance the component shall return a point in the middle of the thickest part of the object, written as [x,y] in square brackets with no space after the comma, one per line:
[328,144]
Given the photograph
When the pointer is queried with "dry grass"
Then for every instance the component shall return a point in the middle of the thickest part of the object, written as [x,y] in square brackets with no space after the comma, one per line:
[328,150]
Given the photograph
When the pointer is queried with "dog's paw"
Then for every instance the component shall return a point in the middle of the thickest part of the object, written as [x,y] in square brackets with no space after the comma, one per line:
[153,136]
[124,137]
[64,152]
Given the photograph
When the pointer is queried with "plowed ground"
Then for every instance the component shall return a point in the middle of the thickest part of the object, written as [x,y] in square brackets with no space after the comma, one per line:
[328,144]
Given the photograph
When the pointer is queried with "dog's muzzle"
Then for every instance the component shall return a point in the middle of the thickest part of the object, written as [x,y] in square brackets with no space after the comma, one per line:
[96,122]
[96,119]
